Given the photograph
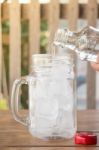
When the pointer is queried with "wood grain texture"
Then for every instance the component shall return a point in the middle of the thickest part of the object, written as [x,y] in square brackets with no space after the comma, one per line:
[15,42]
[0,51]
[92,13]
[34,28]
[5,11]
[15,135]
[25,12]
[4,84]
[72,14]
[53,18]
[51,148]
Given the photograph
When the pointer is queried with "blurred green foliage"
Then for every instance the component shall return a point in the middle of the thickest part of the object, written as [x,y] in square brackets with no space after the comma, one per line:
[43,36]
[3,104]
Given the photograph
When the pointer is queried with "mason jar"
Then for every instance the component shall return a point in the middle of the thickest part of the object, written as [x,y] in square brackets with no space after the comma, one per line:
[52,97]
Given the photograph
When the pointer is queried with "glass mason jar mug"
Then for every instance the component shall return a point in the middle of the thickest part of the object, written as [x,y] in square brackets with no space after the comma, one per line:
[52,101]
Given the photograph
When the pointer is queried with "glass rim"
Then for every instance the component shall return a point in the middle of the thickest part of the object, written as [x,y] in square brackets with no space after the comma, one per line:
[48,59]
[50,56]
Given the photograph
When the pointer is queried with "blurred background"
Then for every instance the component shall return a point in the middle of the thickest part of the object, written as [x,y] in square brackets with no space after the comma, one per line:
[27,27]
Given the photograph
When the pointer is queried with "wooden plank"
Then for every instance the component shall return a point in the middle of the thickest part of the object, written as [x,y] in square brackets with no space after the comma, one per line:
[34,28]
[91,75]
[4,84]
[51,148]
[5,11]
[53,18]
[15,42]
[89,116]
[25,12]
[0,52]
[81,14]
[13,134]
[72,14]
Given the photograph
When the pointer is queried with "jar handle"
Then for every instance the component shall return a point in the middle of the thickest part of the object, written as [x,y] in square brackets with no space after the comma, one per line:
[15,100]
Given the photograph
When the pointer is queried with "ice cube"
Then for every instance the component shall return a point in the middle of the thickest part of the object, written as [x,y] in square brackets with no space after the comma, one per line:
[65,121]
[45,116]
[47,108]
[62,91]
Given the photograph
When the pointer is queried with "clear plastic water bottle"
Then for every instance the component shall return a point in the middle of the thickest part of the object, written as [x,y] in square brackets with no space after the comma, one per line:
[84,43]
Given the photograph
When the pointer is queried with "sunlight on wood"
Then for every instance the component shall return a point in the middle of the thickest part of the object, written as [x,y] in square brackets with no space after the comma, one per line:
[47,1]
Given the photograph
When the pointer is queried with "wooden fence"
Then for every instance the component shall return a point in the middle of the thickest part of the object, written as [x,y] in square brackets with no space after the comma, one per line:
[33,13]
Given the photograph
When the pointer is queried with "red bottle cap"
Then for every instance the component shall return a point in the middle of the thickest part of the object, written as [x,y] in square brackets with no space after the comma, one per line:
[85,139]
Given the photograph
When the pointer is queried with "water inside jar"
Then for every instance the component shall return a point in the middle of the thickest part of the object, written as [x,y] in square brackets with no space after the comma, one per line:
[52,98]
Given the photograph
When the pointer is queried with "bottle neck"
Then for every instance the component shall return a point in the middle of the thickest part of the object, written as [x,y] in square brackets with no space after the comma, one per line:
[65,39]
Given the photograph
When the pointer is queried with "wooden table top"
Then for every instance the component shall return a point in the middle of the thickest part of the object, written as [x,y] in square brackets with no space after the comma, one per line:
[14,136]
